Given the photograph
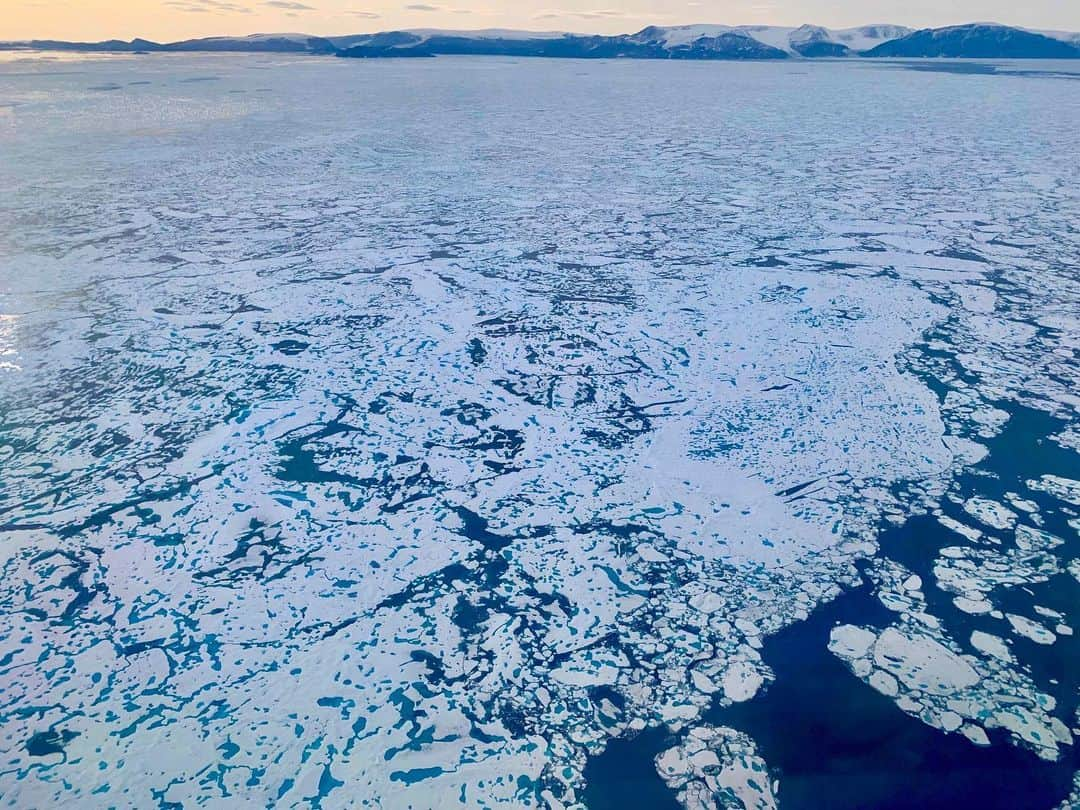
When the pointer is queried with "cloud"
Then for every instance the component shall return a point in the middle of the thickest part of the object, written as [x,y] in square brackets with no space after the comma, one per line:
[288,5]
[204,6]
[597,14]
[425,7]
[367,15]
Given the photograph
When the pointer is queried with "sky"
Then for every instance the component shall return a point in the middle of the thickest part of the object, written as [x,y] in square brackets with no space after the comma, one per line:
[170,20]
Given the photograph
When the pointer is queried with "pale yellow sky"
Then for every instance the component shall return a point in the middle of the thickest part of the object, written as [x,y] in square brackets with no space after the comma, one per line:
[170,20]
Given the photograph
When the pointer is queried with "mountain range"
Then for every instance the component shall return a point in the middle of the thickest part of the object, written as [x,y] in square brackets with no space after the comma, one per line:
[975,40]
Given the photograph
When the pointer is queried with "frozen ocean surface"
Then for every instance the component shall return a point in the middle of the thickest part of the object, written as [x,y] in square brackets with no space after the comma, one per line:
[484,432]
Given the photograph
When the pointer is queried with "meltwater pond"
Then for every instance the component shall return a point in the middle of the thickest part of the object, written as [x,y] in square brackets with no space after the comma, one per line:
[527,433]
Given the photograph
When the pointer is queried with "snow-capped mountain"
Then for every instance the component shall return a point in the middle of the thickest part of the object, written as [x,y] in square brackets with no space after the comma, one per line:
[672,42]
[718,42]
[977,40]
[272,43]
[980,41]
[806,40]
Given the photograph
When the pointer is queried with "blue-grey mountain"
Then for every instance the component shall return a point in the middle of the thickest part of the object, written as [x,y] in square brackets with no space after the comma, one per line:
[979,40]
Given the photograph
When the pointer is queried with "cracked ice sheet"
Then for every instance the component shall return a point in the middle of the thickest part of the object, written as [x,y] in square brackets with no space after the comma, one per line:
[332,456]
[343,575]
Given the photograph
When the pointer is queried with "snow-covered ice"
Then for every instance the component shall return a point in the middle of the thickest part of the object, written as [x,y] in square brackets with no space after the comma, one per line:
[399,434]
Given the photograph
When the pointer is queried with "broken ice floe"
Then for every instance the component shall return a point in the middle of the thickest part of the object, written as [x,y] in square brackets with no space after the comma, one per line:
[417,482]
[929,676]
[717,767]
[1065,489]
[990,512]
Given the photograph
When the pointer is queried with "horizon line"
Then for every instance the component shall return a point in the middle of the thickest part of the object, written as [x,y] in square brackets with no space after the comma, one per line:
[548,32]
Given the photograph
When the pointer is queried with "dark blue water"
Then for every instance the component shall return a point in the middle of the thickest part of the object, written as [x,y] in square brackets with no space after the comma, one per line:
[833,741]
[624,775]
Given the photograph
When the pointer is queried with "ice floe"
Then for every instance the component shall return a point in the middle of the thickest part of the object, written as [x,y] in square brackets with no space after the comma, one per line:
[926,672]
[388,446]
[717,767]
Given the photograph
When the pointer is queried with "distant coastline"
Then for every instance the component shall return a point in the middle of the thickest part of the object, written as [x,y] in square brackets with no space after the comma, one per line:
[701,42]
